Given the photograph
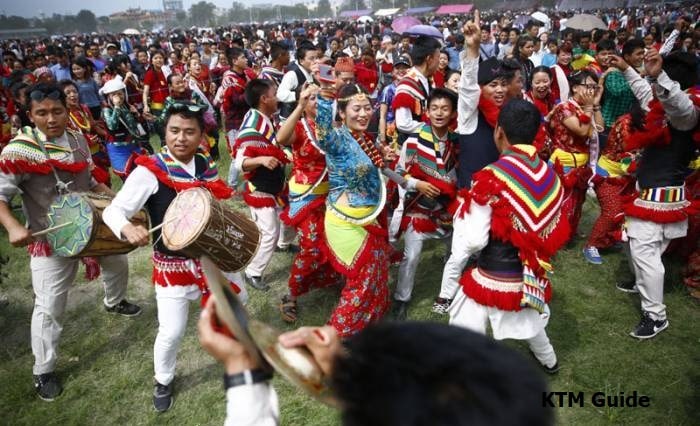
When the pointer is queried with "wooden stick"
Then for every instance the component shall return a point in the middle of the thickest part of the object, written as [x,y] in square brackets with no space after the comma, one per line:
[53,228]
[155,228]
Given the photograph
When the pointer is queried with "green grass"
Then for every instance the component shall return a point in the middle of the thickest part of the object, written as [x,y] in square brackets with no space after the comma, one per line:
[106,362]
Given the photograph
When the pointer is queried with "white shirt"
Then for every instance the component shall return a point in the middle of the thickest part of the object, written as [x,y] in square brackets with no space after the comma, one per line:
[137,188]
[678,106]
[403,116]
[469,92]
[286,90]
[252,405]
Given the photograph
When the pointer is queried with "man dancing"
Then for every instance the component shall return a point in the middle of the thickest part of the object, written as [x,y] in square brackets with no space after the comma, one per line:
[178,279]
[37,163]
[428,161]
[512,214]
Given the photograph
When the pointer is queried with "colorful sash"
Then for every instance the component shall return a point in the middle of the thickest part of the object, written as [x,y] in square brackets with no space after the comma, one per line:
[169,172]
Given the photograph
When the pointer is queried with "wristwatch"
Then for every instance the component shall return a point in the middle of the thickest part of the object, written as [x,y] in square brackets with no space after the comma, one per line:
[246,377]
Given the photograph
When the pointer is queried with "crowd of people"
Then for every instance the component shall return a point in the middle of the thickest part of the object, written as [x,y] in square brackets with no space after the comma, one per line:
[347,139]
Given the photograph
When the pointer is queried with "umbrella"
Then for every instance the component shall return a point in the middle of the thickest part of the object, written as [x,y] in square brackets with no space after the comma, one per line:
[131,31]
[542,18]
[365,19]
[424,30]
[403,23]
[585,22]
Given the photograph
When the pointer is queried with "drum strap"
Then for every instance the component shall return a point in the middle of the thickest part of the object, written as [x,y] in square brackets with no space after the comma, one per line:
[61,187]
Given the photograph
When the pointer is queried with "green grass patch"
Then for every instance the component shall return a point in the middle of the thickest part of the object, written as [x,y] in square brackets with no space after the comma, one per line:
[106,362]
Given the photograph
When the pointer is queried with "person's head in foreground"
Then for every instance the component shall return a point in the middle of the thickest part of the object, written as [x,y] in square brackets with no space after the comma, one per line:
[184,127]
[518,123]
[411,373]
[47,109]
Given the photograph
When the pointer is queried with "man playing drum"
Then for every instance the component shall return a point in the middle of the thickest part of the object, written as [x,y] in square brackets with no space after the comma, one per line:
[154,184]
[38,163]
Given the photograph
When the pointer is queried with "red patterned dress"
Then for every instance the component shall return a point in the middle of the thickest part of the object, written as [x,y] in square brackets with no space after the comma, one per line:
[614,186]
[570,156]
[308,187]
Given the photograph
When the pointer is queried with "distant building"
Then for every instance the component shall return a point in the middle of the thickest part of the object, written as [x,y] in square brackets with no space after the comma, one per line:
[172,5]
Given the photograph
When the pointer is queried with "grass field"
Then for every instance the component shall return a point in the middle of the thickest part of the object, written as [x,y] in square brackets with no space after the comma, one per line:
[106,362]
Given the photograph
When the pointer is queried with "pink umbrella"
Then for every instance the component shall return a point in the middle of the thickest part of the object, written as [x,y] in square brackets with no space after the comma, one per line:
[403,23]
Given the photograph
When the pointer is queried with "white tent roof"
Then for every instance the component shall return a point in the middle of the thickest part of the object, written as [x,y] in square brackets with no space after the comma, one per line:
[386,12]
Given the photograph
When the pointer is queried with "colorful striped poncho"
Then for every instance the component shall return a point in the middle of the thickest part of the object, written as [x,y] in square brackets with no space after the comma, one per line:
[526,197]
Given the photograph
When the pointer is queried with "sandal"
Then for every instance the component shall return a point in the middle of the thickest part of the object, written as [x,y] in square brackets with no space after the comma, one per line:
[288,309]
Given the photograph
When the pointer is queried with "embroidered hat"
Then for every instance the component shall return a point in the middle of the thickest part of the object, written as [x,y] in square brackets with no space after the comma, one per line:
[345,64]
[489,70]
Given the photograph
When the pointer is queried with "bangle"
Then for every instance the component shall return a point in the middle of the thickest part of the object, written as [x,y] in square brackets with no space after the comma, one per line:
[246,377]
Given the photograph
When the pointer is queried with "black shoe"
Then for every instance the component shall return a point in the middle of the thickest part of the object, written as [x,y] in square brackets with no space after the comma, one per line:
[47,386]
[628,286]
[257,283]
[648,328]
[124,308]
[289,249]
[400,310]
[162,397]
[551,370]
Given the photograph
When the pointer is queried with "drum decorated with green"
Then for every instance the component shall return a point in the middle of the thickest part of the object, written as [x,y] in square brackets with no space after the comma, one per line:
[86,234]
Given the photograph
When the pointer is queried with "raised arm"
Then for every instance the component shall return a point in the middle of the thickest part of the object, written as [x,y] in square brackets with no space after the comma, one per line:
[285,135]
[469,90]
[679,108]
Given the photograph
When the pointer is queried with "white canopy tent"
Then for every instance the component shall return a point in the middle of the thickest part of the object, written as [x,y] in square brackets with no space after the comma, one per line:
[387,12]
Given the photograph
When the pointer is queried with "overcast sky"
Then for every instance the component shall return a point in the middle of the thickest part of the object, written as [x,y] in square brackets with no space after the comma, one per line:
[30,8]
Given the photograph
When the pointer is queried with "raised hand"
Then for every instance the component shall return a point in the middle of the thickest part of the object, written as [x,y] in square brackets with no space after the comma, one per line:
[653,63]
[308,91]
[472,35]
[618,62]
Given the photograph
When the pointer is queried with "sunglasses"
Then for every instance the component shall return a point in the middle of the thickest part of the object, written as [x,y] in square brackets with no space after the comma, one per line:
[38,95]
[185,106]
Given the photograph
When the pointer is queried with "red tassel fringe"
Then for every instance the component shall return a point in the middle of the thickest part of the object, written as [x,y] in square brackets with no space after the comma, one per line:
[419,224]
[92,268]
[506,301]
[17,167]
[259,202]
[656,216]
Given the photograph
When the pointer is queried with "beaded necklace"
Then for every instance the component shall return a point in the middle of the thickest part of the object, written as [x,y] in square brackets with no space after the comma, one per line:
[77,122]
[369,148]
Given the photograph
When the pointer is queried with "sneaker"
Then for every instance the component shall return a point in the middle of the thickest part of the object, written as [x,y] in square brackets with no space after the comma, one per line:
[292,248]
[124,308]
[648,328]
[257,283]
[551,370]
[628,286]
[400,310]
[592,256]
[441,305]
[162,397]
[47,386]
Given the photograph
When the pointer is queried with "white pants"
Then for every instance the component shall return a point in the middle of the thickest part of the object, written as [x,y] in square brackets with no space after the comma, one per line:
[527,324]
[286,235]
[173,304]
[413,245]
[648,241]
[233,172]
[396,216]
[52,277]
[268,222]
[459,256]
